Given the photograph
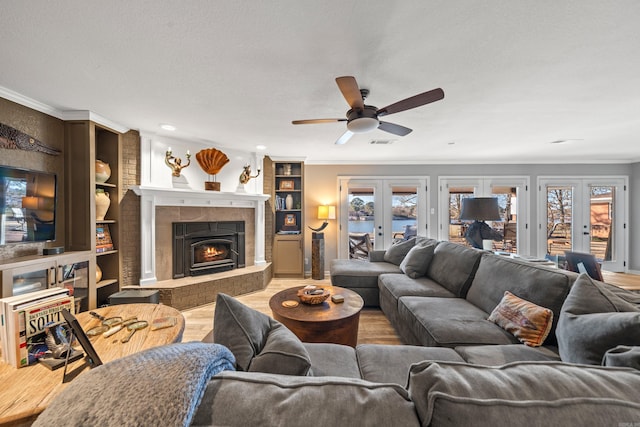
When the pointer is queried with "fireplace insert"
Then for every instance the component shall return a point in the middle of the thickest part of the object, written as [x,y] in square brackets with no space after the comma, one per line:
[207,247]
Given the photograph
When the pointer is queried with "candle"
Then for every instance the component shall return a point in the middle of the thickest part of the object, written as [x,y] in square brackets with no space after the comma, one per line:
[169,150]
[188,153]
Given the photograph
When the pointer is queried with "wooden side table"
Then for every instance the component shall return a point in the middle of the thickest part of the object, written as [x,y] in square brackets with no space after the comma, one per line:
[327,322]
[26,392]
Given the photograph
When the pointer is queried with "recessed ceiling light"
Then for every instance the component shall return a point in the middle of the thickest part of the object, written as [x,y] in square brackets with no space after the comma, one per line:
[168,127]
[563,141]
[261,147]
[382,141]
[451,143]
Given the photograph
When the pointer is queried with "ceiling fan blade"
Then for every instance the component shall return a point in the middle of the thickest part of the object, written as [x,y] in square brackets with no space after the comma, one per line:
[344,138]
[412,102]
[394,128]
[351,92]
[314,121]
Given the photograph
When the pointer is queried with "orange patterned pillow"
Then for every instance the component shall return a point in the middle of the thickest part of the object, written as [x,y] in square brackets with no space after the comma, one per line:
[528,322]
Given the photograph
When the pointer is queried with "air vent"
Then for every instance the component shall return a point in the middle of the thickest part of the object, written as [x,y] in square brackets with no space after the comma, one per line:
[382,141]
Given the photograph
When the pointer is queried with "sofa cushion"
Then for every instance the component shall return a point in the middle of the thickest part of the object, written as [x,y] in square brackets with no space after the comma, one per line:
[332,360]
[258,342]
[400,285]
[453,266]
[503,354]
[595,318]
[417,260]
[542,286]
[449,322]
[624,356]
[531,393]
[253,399]
[390,363]
[527,321]
[398,250]
[356,273]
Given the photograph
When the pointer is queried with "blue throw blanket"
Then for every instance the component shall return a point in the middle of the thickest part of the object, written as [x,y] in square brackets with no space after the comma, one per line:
[159,386]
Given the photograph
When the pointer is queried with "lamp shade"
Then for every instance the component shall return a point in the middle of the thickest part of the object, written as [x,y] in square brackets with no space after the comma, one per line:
[326,212]
[480,209]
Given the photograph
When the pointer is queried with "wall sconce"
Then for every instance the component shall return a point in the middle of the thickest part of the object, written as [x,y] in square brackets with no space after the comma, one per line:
[175,163]
[325,212]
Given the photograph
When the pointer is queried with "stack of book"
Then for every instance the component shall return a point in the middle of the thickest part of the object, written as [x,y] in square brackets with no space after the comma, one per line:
[23,320]
[103,239]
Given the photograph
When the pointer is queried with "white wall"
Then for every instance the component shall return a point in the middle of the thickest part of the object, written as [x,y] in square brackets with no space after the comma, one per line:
[155,173]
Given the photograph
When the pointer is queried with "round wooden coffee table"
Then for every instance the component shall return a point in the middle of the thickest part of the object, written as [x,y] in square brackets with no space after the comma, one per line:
[327,322]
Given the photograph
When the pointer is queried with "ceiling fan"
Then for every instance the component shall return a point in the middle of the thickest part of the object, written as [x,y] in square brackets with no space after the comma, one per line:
[364,118]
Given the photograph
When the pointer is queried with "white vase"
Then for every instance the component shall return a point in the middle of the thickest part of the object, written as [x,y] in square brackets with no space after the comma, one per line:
[102,203]
[288,202]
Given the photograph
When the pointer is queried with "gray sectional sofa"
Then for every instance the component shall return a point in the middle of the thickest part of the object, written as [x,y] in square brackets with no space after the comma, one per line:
[462,364]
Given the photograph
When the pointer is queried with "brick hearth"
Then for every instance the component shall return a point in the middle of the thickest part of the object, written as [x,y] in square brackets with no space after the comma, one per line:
[194,291]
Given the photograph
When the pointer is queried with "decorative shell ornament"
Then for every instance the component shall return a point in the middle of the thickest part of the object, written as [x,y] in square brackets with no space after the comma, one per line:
[211,161]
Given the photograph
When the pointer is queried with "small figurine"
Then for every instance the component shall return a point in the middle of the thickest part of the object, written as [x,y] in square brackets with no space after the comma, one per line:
[177,165]
[56,341]
[245,176]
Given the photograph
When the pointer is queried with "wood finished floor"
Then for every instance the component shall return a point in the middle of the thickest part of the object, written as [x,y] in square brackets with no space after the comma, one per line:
[374,326]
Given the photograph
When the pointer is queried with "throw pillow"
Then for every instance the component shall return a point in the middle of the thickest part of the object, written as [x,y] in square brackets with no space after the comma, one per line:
[594,318]
[258,342]
[527,321]
[398,250]
[417,260]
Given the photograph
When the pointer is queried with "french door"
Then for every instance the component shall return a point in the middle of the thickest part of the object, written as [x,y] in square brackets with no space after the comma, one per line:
[375,211]
[584,215]
[512,194]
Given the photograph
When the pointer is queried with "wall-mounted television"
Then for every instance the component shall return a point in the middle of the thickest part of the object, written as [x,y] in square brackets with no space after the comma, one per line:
[27,205]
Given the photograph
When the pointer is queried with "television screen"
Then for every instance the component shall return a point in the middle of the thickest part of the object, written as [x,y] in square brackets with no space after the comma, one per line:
[27,205]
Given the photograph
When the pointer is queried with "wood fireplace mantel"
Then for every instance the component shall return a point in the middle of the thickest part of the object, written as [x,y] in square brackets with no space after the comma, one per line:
[150,197]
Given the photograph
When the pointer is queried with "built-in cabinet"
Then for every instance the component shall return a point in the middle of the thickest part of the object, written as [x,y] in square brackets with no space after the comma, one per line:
[86,142]
[287,192]
[35,273]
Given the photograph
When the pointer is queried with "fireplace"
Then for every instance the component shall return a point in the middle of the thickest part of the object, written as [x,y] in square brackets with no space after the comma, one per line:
[207,247]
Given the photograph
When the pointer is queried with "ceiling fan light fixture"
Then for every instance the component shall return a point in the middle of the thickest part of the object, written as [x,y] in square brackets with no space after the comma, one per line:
[363,124]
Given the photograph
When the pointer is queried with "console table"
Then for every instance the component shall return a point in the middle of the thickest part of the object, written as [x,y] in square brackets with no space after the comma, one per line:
[26,392]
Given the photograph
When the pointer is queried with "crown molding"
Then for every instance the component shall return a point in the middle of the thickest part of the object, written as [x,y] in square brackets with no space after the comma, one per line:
[60,114]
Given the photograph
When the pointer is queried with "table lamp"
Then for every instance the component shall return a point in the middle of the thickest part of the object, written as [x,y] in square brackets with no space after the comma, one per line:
[479,210]
[325,212]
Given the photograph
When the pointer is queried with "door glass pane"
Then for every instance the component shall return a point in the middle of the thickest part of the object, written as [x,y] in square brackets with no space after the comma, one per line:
[404,210]
[508,227]
[601,222]
[559,219]
[361,222]
[457,228]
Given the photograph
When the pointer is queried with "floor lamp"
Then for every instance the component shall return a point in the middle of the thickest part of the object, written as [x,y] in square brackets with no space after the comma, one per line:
[325,212]
[479,210]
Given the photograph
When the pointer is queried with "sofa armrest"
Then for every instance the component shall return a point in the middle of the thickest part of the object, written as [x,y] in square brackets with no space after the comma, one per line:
[377,255]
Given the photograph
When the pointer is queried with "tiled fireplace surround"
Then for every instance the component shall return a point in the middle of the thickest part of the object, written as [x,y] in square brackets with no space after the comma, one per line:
[161,207]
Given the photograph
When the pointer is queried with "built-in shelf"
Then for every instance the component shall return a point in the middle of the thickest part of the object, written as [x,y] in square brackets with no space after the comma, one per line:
[103,283]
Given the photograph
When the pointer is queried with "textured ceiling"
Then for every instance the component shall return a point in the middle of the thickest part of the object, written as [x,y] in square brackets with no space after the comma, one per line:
[516,74]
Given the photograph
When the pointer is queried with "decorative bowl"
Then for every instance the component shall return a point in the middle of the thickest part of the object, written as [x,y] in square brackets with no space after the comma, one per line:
[310,296]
